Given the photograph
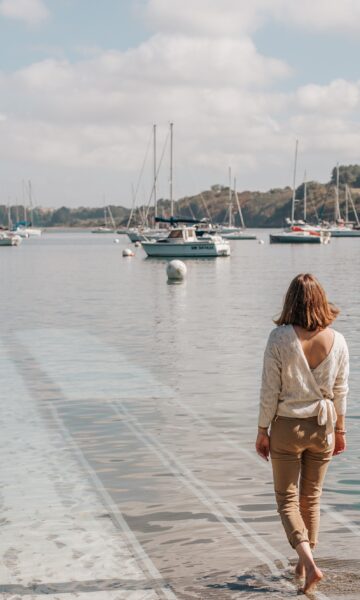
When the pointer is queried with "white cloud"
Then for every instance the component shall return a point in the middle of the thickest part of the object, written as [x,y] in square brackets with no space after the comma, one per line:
[94,104]
[30,11]
[235,17]
[201,70]
[97,113]
[320,15]
[229,18]
[338,97]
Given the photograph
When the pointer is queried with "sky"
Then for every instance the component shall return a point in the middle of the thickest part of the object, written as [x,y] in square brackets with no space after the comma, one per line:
[82,83]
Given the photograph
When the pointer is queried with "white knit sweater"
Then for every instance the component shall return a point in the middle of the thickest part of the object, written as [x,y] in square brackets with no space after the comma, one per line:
[290,388]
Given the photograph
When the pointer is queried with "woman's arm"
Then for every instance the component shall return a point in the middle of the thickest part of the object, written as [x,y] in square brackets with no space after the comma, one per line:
[340,435]
[270,385]
[269,395]
[340,396]
[341,386]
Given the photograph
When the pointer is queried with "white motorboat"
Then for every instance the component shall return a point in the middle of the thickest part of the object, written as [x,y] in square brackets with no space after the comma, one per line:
[9,238]
[183,242]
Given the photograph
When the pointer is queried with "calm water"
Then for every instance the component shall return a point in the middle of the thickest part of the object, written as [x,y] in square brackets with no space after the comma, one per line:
[153,389]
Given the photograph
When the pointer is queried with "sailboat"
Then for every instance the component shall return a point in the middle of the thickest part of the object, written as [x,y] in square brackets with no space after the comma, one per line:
[106,228]
[30,229]
[7,236]
[235,233]
[25,228]
[143,233]
[296,233]
[343,228]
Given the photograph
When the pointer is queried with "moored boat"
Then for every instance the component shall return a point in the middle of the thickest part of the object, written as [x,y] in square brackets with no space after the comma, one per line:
[29,232]
[8,238]
[300,237]
[341,230]
[300,232]
[183,242]
[239,235]
[139,234]
[106,227]
[102,229]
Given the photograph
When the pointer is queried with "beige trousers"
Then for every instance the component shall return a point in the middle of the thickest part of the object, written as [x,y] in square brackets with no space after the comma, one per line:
[300,456]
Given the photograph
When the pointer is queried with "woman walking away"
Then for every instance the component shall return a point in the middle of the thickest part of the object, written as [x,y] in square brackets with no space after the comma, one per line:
[303,399]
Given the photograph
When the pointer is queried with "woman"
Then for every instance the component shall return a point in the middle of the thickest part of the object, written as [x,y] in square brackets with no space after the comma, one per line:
[303,398]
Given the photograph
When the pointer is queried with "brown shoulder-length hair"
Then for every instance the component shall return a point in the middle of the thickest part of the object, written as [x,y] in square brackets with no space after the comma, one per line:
[306,304]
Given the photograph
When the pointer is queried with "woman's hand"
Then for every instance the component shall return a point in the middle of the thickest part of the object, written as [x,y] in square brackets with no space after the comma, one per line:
[340,443]
[263,444]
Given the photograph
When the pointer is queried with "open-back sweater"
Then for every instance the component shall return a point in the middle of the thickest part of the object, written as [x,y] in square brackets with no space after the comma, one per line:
[290,388]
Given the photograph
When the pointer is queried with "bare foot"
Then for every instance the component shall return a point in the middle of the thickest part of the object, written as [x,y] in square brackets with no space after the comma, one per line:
[313,576]
[300,569]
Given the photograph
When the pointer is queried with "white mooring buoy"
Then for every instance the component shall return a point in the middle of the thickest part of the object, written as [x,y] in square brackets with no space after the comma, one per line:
[176,270]
[137,244]
[128,252]
[261,242]
[116,241]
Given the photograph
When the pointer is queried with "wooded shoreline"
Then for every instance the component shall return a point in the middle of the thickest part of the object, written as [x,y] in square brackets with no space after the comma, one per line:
[260,209]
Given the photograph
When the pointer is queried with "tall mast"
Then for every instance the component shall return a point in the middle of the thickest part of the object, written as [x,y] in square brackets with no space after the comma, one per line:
[132,206]
[30,202]
[238,205]
[9,217]
[171,169]
[105,213]
[353,207]
[337,204]
[305,196]
[294,179]
[155,173]
[230,198]
[23,200]
[346,204]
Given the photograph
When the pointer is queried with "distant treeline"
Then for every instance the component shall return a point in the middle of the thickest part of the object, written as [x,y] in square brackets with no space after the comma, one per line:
[260,209]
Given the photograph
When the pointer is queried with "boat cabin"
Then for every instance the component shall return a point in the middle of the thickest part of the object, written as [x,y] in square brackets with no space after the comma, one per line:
[182,234]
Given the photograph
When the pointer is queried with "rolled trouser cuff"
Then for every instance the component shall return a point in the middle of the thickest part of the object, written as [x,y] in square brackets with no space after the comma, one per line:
[297,537]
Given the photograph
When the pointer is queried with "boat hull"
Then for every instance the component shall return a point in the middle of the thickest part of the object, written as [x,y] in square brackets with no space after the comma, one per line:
[289,239]
[10,240]
[33,231]
[191,249]
[238,236]
[353,233]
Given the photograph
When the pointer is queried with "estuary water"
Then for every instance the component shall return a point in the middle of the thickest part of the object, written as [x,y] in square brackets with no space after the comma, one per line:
[129,414]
